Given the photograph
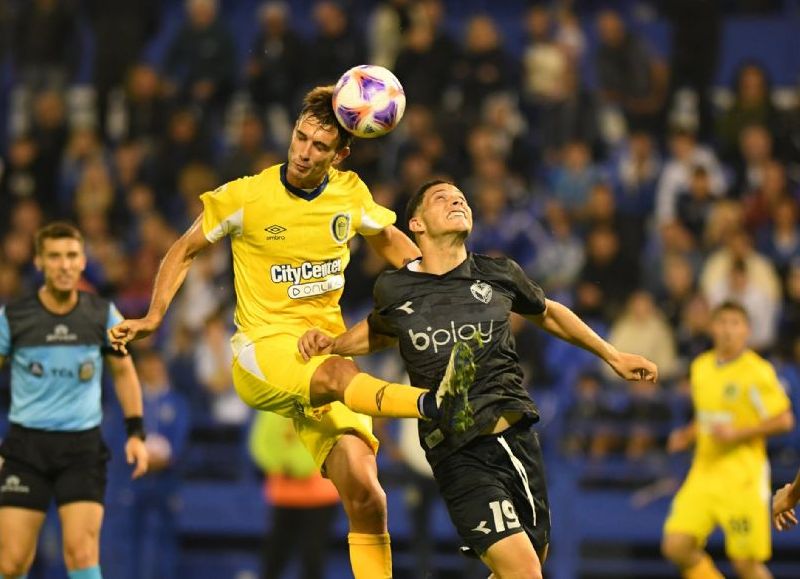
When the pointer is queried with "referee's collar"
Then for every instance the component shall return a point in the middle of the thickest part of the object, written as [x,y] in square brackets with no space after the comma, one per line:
[303,193]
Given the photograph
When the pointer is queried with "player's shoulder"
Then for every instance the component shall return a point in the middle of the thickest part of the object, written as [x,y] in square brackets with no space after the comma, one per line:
[348,180]
[702,361]
[494,267]
[393,284]
[97,306]
[752,361]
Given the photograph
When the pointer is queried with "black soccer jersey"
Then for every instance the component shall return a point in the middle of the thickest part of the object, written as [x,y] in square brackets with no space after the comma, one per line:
[429,313]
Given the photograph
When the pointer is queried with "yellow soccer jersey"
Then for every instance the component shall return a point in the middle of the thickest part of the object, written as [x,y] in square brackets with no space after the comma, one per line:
[742,393]
[290,248]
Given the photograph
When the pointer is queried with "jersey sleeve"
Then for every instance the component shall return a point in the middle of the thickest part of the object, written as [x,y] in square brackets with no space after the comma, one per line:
[223,211]
[529,298]
[5,333]
[378,319]
[114,317]
[767,394]
[374,217]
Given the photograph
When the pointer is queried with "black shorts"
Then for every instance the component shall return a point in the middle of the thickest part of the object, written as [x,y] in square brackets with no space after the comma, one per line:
[39,465]
[494,487]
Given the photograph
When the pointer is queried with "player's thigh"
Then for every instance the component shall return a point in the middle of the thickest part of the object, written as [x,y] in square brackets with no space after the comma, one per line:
[19,532]
[745,521]
[513,558]
[322,433]
[691,513]
[271,375]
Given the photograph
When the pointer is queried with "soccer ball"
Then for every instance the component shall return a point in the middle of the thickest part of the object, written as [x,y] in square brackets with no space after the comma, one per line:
[369,101]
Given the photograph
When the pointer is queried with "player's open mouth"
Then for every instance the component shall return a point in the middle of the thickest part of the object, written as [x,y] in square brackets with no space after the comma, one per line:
[454,214]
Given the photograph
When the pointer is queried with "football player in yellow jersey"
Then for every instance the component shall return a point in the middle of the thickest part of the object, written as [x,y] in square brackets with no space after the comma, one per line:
[738,403]
[290,227]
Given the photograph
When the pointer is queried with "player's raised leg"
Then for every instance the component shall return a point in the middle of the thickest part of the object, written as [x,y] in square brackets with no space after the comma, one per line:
[693,562]
[352,467]
[80,527]
[514,558]
[19,530]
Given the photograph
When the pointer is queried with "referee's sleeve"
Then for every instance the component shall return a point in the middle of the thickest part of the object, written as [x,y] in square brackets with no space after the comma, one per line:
[5,333]
[114,317]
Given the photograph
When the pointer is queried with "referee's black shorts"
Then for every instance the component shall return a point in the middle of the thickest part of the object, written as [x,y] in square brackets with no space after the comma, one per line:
[39,465]
[494,487]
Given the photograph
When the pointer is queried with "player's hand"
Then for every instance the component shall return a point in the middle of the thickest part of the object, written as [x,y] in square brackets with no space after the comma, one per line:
[679,440]
[136,454]
[634,367]
[783,503]
[314,343]
[725,433]
[129,330]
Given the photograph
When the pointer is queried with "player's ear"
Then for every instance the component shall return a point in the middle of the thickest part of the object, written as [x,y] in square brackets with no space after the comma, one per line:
[37,261]
[341,155]
[415,225]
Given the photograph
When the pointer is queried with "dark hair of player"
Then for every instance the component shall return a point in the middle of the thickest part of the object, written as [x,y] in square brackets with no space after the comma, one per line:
[417,198]
[730,306]
[318,103]
[56,230]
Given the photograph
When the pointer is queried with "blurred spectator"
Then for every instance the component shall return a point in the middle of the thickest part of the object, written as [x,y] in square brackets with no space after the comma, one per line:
[648,417]
[752,105]
[642,329]
[121,30]
[193,180]
[484,67]
[388,23]
[84,147]
[22,178]
[501,230]
[696,35]
[606,279]
[560,255]
[240,161]
[591,419]
[213,359]
[277,61]
[10,283]
[49,131]
[789,328]
[755,152]
[45,44]
[677,280]
[759,204]
[629,75]
[685,155]
[545,62]
[601,210]
[145,113]
[200,62]
[743,288]
[635,173]
[155,501]
[780,240]
[573,180]
[336,47]
[304,505]
[693,331]
[694,205]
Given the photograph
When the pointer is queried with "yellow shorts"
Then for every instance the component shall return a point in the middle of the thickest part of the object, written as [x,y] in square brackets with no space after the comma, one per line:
[743,513]
[271,375]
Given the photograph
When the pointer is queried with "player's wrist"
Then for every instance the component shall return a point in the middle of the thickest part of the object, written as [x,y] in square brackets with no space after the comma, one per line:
[134,427]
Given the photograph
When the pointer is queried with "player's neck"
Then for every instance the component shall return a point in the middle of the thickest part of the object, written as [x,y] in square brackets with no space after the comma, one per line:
[439,258]
[723,356]
[57,301]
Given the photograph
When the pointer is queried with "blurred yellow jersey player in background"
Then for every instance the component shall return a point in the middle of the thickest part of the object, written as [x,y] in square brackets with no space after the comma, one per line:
[738,403]
[290,227]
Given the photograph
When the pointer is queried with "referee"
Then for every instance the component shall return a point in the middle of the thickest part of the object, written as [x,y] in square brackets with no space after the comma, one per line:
[56,341]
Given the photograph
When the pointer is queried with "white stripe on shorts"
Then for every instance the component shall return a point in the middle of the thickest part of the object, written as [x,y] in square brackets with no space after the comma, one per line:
[523,475]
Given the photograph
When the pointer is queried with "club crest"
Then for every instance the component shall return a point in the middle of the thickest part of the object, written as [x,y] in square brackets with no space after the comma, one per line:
[340,227]
[481,291]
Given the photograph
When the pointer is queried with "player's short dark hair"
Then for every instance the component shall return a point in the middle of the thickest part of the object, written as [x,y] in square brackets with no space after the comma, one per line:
[318,103]
[730,306]
[419,196]
[56,230]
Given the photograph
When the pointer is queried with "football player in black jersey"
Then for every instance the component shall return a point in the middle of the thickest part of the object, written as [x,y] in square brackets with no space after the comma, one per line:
[449,313]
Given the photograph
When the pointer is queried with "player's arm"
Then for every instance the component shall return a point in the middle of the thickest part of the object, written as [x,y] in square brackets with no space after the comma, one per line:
[681,439]
[784,502]
[558,320]
[394,246]
[129,394]
[169,279]
[778,424]
[357,341]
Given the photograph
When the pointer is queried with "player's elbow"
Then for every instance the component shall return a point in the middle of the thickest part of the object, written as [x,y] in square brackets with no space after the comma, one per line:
[786,422]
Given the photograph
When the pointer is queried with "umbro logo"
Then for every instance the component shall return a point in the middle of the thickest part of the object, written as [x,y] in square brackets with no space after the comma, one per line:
[274,232]
[406,307]
[379,396]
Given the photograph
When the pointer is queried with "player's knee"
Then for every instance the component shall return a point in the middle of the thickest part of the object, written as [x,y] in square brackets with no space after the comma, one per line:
[331,379]
[366,504]
[13,564]
[80,556]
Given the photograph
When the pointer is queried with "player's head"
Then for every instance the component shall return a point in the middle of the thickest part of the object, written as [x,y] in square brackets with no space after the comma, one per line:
[438,208]
[730,327]
[60,256]
[318,140]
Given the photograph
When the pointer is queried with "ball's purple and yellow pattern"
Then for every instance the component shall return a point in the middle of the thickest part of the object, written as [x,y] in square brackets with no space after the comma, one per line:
[369,101]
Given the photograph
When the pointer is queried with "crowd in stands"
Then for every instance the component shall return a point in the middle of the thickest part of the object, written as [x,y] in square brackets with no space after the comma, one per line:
[638,198]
